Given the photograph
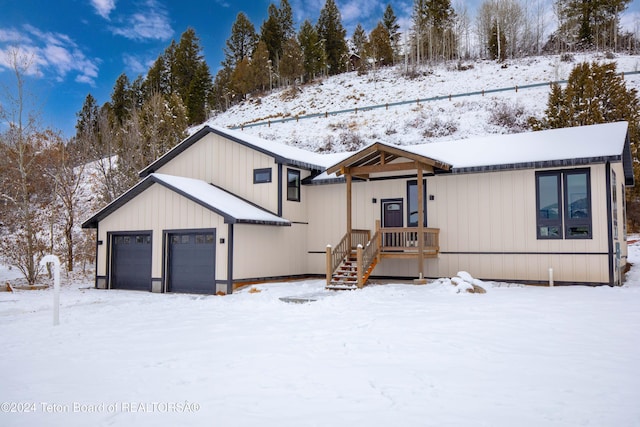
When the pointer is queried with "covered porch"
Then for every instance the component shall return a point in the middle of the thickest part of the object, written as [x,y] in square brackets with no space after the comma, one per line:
[350,263]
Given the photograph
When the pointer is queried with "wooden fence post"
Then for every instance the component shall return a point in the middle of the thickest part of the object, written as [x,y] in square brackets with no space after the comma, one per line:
[329,265]
[359,266]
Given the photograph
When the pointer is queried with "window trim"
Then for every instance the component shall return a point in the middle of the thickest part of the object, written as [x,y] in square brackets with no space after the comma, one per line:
[257,172]
[563,222]
[572,222]
[546,222]
[297,185]
[424,201]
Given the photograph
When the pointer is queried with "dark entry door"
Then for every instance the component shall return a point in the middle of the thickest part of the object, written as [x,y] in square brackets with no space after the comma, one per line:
[192,260]
[392,213]
[392,216]
[131,261]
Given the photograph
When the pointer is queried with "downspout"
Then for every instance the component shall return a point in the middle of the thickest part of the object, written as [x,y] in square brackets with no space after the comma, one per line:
[95,280]
[280,190]
[609,222]
[230,260]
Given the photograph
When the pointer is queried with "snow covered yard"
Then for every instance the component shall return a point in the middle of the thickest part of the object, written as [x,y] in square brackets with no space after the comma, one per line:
[385,355]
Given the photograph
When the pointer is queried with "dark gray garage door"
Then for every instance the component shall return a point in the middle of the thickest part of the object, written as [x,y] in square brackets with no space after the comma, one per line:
[131,261]
[192,257]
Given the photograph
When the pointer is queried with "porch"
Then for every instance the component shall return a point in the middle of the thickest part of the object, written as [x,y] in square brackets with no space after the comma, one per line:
[352,261]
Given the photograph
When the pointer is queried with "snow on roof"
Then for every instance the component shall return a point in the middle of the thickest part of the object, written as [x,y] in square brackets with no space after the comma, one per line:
[222,202]
[584,142]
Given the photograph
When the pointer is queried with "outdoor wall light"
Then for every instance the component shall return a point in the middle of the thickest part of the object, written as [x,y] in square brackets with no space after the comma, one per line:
[374,200]
[432,197]
[222,240]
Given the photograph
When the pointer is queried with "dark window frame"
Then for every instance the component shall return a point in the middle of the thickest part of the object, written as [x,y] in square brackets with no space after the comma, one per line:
[586,221]
[563,222]
[297,185]
[414,182]
[258,172]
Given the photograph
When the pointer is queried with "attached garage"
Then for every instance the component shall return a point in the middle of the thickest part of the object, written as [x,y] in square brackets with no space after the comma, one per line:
[131,261]
[191,262]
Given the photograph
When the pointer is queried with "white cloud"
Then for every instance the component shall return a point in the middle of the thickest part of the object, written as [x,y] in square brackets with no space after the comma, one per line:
[103,7]
[46,53]
[151,23]
[136,64]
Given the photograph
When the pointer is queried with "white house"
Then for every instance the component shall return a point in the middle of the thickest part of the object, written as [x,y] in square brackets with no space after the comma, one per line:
[223,208]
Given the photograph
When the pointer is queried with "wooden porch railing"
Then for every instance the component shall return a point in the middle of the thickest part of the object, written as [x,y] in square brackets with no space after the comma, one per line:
[405,240]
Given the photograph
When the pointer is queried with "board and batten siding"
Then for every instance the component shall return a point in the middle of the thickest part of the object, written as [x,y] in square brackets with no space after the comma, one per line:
[487,225]
[158,209]
[262,252]
[229,165]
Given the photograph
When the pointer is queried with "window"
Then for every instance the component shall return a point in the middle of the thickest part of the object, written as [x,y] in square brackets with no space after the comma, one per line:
[261,176]
[563,203]
[412,202]
[293,185]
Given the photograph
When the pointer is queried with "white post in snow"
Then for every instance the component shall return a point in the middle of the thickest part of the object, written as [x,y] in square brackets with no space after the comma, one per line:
[56,285]
[550,277]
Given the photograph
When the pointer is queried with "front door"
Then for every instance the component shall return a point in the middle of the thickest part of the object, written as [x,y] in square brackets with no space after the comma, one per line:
[392,213]
[392,216]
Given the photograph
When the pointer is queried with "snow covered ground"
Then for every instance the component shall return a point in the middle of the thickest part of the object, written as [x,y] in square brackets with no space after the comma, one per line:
[395,354]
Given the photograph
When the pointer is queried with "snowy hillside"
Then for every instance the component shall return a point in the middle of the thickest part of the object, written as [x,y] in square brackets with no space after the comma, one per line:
[413,123]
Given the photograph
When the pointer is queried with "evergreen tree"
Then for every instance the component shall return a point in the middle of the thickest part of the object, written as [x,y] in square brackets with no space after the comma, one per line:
[277,29]
[261,67]
[590,23]
[379,46]
[595,94]
[242,79]
[121,99]
[434,37]
[241,43]
[292,62]
[191,75]
[358,40]
[159,78]
[332,33]
[314,59]
[390,22]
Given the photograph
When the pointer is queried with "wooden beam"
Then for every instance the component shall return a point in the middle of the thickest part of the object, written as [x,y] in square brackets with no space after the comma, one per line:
[389,167]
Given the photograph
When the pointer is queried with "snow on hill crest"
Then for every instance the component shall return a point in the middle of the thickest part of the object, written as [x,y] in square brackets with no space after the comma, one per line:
[413,123]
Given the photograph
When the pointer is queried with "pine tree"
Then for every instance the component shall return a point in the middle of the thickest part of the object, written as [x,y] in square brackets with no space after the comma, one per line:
[358,40]
[390,22]
[277,29]
[261,67]
[292,62]
[241,43]
[191,75]
[121,99]
[314,58]
[332,33]
[379,46]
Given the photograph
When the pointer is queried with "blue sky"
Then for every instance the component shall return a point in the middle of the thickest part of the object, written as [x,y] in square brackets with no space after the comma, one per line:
[81,46]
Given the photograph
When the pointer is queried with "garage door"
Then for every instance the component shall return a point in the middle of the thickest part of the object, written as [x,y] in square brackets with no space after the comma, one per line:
[131,261]
[191,263]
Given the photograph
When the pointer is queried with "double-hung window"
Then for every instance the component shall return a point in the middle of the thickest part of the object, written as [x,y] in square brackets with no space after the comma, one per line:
[563,203]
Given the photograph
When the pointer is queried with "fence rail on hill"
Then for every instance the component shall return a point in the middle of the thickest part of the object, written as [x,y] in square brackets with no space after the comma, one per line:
[388,105]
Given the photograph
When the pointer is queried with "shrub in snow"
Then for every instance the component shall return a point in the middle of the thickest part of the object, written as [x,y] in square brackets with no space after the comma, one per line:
[567,57]
[508,116]
[438,127]
[464,282]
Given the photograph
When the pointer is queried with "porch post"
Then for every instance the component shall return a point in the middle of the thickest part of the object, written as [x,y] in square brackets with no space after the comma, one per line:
[420,221]
[349,226]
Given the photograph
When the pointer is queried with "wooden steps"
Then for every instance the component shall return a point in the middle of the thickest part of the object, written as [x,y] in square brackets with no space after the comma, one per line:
[346,275]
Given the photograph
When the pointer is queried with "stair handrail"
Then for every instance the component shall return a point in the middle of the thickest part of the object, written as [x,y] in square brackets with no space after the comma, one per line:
[367,256]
